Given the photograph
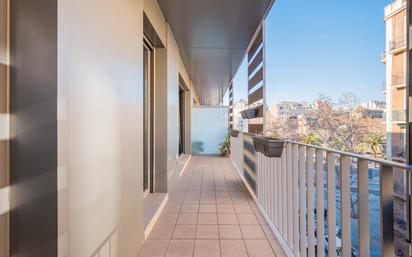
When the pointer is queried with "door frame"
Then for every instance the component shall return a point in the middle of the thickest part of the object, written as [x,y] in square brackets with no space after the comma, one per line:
[148,146]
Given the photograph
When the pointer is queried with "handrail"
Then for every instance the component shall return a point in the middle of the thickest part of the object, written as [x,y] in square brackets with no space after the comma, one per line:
[399,165]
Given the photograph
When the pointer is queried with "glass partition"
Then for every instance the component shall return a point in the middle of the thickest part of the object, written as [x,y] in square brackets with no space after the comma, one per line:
[209,129]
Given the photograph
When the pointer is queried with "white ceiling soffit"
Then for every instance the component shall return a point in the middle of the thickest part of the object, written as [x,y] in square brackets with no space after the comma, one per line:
[213,36]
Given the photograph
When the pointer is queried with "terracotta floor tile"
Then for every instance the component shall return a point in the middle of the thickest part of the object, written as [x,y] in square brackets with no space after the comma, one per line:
[167,218]
[259,248]
[243,208]
[161,231]
[184,232]
[189,208]
[207,218]
[233,248]
[207,208]
[252,232]
[225,208]
[230,232]
[187,219]
[227,218]
[180,248]
[207,248]
[207,232]
[247,218]
[154,248]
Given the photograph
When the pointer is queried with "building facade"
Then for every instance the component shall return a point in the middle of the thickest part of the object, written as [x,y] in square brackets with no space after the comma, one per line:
[395,59]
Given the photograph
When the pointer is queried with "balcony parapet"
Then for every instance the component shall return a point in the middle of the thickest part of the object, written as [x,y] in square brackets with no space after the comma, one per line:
[394,7]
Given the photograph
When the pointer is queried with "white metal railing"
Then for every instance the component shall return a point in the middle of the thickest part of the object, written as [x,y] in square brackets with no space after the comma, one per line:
[295,190]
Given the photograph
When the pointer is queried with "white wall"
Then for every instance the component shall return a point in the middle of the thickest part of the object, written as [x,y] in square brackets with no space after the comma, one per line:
[100,127]
[173,101]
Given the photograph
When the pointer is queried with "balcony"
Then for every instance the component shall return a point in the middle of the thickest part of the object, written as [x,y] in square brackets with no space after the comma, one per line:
[398,81]
[397,45]
[398,116]
[98,155]
[383,57]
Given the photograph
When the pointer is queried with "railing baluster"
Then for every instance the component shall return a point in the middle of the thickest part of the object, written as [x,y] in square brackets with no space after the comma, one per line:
[258,176]
[320,207]
[284,199]
[289,194]
[302,200]
[331,162]
[272,189]
[311,202]
[345,206]
[280,197]
[363,208]
[275,190]
[295,201]
[386,216]
[267,186]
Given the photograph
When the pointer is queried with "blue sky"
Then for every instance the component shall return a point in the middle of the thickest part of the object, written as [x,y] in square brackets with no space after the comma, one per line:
[322,47]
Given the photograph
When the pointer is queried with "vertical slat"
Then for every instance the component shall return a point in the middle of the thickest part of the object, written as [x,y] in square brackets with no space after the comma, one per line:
[311,202]
[263,184]
[295,201]
[331,160]
[284,199]
[289,194]
[363,208]
[258,175]
[320,205]
[267,195]
[280,205]
[275,191]
[302,200]
[345,206]
[271,189]
[386,215]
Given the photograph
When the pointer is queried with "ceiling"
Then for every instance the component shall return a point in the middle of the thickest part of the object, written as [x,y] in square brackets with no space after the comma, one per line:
[213,36]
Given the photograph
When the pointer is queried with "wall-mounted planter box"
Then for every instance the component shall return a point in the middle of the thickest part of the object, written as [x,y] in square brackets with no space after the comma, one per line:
[270,147]
[234,133]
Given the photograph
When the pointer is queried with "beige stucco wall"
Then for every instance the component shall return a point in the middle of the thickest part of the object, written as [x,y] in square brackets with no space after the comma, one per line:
[100,101]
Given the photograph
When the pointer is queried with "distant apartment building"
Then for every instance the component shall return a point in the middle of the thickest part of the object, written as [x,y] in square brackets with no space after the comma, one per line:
[394,57]
[285,110]
[238,122]
[374,109]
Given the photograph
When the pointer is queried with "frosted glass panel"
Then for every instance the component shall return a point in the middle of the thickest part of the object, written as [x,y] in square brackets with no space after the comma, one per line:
[209,129]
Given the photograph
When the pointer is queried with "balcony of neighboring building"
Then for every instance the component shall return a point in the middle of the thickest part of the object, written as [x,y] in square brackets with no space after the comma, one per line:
[399,81]
[383,57]
[397,44]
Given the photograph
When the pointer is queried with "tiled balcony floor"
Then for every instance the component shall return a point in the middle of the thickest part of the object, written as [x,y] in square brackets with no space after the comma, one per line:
[210,214]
